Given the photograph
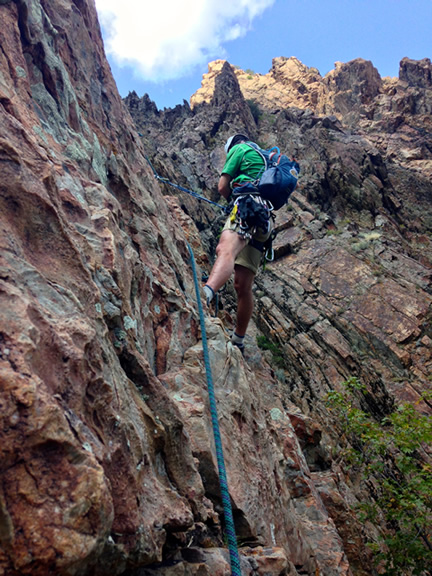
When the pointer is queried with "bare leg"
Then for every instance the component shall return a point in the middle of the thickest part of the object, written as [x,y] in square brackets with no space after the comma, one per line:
[230,245]
[243,281]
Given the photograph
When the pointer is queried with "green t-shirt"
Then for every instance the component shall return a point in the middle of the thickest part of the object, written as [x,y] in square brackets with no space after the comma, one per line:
[243,164]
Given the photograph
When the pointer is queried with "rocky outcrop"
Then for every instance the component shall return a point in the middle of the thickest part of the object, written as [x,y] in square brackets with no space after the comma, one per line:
[351,91]
[289,83]
[107,456]
[349,290]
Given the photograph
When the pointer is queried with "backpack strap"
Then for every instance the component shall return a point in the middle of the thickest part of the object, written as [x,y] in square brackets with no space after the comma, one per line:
[257,149]
[275,156]
[272,152]
[250,187]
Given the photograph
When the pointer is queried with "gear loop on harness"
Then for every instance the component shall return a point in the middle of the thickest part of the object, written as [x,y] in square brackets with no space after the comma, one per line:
[250,213]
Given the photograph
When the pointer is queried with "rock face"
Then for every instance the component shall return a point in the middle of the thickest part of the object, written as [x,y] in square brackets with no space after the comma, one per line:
[107,456]
[349,293]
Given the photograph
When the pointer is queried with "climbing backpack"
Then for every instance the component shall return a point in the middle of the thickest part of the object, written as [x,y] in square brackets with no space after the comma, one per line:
[278,179]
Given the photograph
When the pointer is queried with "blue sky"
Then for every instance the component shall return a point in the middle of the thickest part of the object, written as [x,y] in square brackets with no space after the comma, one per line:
[163,49]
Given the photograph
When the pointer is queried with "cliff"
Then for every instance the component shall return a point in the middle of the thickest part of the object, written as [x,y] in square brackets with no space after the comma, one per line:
[107,456]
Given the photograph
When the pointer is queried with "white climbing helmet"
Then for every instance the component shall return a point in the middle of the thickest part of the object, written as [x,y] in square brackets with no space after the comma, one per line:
[235,139]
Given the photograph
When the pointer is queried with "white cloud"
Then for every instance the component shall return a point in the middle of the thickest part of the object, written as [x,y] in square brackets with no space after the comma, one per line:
[165,39]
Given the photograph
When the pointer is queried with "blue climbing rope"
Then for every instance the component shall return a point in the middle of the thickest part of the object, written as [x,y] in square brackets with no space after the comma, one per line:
[229,520]
[190,192]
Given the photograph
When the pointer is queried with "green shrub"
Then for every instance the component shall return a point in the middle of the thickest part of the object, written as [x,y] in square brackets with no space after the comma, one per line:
[255,110]
[277,355]
[357,246]
[390,455]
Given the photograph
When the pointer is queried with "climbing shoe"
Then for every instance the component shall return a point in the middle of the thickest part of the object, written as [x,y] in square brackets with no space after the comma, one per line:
[241,347]
[238,341]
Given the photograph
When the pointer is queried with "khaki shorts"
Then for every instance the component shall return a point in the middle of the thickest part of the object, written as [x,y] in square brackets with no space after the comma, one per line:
[249,257]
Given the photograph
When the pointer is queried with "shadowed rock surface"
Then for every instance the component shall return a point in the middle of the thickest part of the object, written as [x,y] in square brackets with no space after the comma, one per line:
[107,456]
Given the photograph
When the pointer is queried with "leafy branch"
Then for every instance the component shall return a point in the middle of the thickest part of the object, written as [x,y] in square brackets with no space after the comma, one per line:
[393,459]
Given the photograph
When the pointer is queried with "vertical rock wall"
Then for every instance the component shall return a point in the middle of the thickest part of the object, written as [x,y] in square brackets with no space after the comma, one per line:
[92,284]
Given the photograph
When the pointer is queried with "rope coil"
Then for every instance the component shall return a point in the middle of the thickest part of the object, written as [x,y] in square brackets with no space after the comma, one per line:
[226,501]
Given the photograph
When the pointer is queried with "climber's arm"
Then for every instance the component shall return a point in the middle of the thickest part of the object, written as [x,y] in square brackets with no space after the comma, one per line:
[224,187]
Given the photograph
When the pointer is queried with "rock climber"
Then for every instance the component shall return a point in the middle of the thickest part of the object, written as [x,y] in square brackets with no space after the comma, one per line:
[245,231]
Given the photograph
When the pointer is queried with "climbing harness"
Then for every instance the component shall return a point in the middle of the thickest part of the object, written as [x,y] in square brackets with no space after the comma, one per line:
[229,520]
[190,192]
[250,213]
